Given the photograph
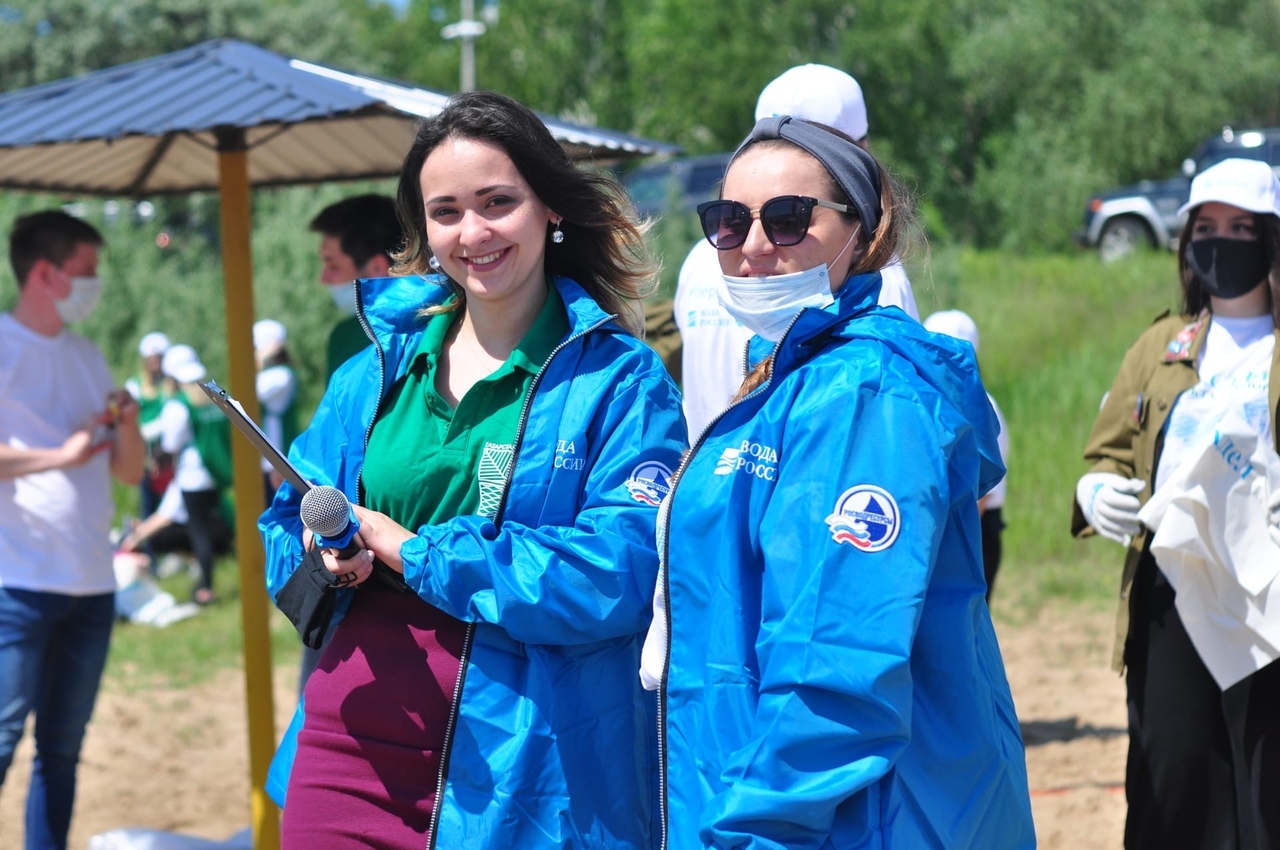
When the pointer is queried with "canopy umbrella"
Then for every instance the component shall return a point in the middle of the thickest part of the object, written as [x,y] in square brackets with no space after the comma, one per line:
[228,116]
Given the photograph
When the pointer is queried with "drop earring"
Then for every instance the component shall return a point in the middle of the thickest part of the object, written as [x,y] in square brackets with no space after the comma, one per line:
[434,262]
[557,235]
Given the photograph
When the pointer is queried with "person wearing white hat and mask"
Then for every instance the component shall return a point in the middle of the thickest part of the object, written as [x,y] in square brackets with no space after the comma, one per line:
[151,389]
[960,325]
[277,386]
[713,340]
[1204,751]
[64,434]
[197,434]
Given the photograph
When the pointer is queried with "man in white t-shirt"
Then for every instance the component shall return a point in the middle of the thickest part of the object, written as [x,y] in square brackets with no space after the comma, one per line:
[713,342]
[64,432]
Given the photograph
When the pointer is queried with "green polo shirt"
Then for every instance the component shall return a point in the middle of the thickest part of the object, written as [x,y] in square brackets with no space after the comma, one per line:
[346,340]
[428,463]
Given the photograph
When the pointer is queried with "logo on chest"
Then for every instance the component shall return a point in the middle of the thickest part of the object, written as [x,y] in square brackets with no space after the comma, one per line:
[567,456]
[755,459]
[866,517]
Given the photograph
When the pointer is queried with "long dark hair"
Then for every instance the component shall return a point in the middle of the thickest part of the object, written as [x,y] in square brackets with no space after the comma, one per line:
[603,248]
[1195,299]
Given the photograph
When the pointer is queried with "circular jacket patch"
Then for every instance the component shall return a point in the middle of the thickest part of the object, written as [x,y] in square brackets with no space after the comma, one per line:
[650,482]
[865,517]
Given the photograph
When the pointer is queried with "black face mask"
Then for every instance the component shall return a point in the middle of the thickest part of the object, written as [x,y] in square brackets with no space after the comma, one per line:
[1228,268]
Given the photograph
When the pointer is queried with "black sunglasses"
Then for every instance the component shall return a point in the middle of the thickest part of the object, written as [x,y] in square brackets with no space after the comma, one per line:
[785,220]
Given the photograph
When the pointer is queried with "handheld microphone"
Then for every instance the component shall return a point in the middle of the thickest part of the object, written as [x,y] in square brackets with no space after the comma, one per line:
[326,511]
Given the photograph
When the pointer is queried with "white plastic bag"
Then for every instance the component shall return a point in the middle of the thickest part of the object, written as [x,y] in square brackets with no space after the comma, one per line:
[155,839]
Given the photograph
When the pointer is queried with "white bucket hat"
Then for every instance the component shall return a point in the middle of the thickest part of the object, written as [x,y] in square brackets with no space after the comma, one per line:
[816,93]
[954,323]
[152,344]
[182,364]
[269,335]
[1249,184]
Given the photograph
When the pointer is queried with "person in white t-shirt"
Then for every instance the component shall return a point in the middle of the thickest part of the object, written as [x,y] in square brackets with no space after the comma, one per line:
[959,324]
[277,387]
[1204,758]
[713,341]
[64,433]
[196,434]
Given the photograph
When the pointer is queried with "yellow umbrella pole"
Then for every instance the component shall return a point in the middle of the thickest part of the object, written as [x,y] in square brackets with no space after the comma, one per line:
[237,266]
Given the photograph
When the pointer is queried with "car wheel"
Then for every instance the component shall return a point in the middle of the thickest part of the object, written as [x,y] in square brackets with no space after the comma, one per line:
[1121,237]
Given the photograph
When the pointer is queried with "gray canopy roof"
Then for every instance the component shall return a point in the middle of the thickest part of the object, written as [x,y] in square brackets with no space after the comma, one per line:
[153,126]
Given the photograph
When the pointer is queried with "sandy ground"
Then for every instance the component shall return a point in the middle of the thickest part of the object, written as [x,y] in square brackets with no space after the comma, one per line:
[177,760]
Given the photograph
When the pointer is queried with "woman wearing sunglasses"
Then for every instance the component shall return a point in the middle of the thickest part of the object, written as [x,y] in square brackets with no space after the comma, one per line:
[828,671]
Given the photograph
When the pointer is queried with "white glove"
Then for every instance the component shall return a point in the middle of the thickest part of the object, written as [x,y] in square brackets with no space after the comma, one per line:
[1273,517]
[1110,504]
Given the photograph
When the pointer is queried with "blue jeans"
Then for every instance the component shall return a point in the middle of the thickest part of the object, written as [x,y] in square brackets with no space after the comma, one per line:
[52,651]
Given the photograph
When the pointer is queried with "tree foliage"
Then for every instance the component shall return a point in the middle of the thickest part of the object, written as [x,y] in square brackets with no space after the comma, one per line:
[1003,114]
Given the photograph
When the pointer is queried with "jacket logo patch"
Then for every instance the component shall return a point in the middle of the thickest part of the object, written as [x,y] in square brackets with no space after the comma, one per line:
[865,517]
[650,482]
[751,458]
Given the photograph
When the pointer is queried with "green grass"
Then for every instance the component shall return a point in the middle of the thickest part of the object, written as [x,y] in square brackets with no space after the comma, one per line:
[192,651]
[1053,330]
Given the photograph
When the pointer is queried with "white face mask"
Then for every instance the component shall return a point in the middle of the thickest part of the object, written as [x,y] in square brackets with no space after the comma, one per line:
[766,305]
[344,297]
[85,294]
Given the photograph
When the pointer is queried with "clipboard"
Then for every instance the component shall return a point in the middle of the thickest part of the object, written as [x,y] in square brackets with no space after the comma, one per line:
[233,411]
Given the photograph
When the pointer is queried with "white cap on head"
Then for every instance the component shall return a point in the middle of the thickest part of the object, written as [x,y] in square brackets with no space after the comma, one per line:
[269,335]
[182,364]
[1249,184]
[152,344]
[816,93]
[954,323]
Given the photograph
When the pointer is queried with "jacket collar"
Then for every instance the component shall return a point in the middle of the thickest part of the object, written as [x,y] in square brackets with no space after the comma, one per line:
[858,295]
[391,305]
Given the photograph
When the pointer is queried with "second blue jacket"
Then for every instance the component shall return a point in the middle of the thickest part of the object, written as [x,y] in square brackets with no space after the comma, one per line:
[833,677]
[552,740]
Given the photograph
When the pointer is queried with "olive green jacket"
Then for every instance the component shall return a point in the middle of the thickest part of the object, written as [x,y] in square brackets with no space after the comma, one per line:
[1127,435]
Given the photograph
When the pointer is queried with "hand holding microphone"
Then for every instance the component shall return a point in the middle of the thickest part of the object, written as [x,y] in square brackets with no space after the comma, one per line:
[327,514]
[1110,504]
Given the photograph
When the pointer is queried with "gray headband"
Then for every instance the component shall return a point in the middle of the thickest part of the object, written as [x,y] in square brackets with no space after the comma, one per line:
[853,168]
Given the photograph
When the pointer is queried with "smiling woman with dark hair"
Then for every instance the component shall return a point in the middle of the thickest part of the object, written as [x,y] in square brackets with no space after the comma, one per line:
[506,440]
[829,675]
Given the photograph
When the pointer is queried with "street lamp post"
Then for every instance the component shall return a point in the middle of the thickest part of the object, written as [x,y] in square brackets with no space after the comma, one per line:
[468,29]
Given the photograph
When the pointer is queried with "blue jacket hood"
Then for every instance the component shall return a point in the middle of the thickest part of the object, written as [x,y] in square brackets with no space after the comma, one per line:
[946,364]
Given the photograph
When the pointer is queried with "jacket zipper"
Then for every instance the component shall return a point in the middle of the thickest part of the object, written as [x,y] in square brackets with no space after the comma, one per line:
[447,745]
[664,559]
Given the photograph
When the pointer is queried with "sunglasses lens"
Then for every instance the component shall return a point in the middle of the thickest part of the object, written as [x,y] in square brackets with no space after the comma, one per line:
[725,223]
[786,220]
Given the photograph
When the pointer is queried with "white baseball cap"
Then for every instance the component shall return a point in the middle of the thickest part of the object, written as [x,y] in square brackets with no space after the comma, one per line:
[269,335]
[816,93]
[954,323]
[182,364]
[152,344]
[1249,184]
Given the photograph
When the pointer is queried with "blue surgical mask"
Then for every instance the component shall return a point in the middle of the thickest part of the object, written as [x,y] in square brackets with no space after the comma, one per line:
[85,294]
[344,297]
[766,305]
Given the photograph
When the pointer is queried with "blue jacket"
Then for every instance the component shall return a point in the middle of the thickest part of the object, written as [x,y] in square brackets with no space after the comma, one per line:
[833,676]
[553,742]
